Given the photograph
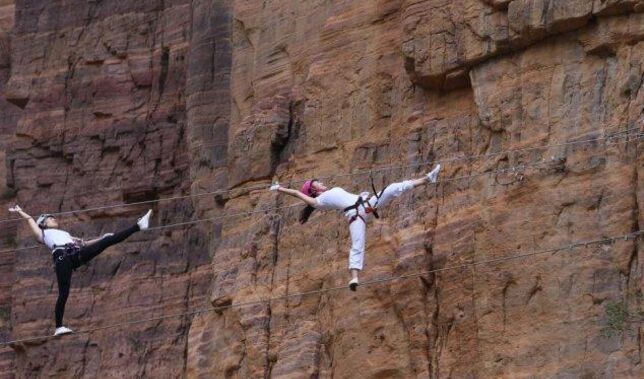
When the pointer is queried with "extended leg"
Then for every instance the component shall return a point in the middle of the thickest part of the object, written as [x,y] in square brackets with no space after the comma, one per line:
[391,192]
[358,230]
[64,278]
[90,252]
[394,190]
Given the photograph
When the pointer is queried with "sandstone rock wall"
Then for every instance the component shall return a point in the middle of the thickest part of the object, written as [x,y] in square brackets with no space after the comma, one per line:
[335,87]
[442,40]
[8,118]
[114,113]
[127,101]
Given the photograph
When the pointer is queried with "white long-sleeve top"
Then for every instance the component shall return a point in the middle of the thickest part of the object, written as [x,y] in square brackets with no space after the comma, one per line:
[335,198]
[54,238]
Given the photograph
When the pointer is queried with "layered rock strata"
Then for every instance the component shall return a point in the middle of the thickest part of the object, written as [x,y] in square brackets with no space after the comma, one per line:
[131,101]
[320,89]
[8,119]
[112,112]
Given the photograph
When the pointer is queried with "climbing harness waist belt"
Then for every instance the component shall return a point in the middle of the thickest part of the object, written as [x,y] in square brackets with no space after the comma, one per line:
[365,204]
[361,202]
[62,252]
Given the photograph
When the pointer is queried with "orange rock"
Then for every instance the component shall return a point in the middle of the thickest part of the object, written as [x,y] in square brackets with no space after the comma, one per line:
[131,101]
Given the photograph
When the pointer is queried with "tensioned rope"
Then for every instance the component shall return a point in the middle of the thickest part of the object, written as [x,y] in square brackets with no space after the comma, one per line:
[512,169]
[156,307]
[178,224]
[570,247]
[614,136]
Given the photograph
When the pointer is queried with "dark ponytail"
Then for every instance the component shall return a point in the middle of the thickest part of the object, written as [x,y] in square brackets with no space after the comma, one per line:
[305,214]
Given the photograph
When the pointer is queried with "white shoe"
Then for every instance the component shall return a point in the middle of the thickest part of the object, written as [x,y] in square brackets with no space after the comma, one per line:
[144,222]
[63,330]
[433,175]
[353,284]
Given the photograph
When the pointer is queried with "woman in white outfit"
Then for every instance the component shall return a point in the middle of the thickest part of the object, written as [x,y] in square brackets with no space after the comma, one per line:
[357,209]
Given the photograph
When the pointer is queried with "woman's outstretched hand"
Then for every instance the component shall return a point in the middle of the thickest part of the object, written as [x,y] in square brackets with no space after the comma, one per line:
[275,187]
[16,209]
[32,224]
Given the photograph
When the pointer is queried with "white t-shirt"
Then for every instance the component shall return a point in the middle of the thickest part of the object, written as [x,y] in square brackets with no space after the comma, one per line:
[55,237]
[335,198]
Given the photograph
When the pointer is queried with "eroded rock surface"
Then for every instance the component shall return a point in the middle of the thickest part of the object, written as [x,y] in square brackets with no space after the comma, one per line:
[8,119]
[141,100]
[442,40]
[326,84]
[107,95]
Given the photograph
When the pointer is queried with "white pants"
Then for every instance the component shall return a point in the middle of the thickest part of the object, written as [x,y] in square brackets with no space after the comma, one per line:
[358,228]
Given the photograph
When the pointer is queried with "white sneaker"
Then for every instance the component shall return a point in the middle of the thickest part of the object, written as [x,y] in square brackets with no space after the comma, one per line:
[353,284]
[144,222]
[433,175]
[63,330]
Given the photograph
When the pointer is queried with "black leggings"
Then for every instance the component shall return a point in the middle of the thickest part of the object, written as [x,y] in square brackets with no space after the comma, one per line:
[66,265]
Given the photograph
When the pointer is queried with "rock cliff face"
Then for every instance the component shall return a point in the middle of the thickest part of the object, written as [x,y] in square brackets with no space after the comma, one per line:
[125,101]
[113,113]
[8,118]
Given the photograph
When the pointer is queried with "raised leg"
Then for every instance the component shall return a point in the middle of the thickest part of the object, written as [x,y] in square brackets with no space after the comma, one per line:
[87,253]
[391,192]
[394,190]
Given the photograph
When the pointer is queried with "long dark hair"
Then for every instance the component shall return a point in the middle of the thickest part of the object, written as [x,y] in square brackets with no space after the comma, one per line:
[305,214]
[308,210]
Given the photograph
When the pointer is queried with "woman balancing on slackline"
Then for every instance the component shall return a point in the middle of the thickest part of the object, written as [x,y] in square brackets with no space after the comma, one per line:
[357,209]
[69,252]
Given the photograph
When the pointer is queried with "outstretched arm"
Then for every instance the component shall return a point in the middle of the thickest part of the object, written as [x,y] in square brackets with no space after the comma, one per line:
[32,224]
[295,193]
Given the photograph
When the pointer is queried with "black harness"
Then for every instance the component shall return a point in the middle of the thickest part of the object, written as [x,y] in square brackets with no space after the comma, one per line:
[365,205]
[64,251]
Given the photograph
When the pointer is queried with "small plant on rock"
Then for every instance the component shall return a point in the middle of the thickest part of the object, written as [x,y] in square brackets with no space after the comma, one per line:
[5,315]
[7,194]
[619,319]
